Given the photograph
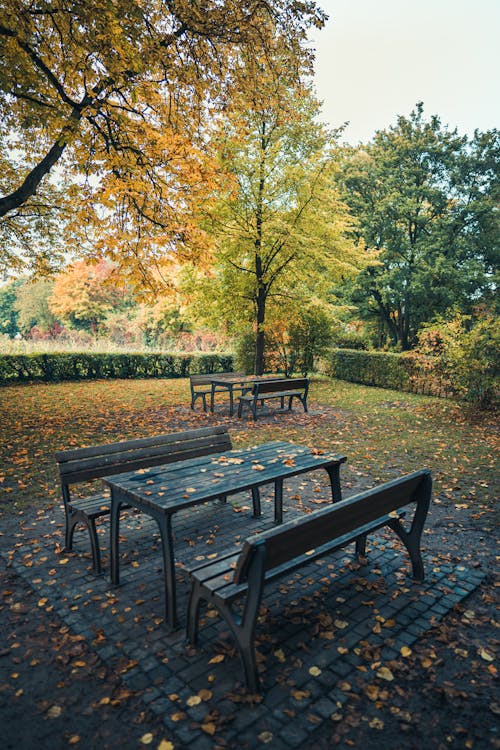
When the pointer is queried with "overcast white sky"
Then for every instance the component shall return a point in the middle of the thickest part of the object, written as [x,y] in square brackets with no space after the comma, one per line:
[377,58]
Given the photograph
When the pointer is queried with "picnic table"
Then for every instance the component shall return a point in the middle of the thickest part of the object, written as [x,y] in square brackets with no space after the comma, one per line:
[232,382]
[163,490]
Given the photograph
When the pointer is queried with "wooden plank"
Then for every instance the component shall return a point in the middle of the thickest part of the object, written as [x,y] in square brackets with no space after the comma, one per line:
[129,460]
[303,534]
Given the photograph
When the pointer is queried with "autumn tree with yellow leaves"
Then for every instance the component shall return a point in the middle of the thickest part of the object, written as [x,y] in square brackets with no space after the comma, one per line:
[280,231]
[116,98]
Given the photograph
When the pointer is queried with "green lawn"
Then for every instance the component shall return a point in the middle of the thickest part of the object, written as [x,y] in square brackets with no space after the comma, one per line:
[383,433]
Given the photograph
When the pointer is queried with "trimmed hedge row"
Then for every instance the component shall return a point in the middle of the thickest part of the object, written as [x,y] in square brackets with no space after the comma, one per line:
[56,367]
[383,369]
[401,372]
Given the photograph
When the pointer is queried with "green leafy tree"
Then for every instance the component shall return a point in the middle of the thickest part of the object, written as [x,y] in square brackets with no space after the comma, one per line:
[279,229]
[32,305]
[8,313]
[426,199]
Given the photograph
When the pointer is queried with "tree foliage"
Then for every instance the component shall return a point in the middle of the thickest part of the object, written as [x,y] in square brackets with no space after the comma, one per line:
[426,198]
[84,294]
[279,228]
[118,95]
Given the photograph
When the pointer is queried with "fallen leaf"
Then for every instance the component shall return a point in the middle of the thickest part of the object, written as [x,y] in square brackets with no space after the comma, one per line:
[209,728]
[385,674]
[217,659]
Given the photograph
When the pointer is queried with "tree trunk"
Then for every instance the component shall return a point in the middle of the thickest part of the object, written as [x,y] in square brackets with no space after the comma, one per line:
[259,334]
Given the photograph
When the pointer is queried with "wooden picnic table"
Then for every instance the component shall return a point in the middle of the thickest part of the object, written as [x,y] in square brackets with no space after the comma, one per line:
[163,490]
[235,382]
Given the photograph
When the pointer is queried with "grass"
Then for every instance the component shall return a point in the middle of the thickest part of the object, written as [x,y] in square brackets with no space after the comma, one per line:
[384,433]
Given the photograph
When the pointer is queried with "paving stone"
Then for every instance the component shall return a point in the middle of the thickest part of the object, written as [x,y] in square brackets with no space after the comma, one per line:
[93,607]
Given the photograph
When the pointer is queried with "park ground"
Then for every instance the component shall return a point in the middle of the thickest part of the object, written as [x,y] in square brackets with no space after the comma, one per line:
[57,691]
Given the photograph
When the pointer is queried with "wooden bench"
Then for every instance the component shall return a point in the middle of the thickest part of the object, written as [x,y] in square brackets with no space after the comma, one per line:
[87,464]
[274,553]
[262,390]
[201,385]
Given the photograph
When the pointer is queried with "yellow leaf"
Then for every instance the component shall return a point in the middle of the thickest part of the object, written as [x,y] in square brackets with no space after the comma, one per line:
[376,724]
[54,712]
[74,739]
[342,650]
[190,489]
[385,674]
[193,700]
[315,671]
[280,655]
[165,745]
[147,738]
[258,467]
[485,655]
[209,728]
[341,624]
[405,651]
[205,694]
[217,659]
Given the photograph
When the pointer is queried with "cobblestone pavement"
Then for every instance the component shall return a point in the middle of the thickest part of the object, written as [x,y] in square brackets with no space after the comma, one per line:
[322,633]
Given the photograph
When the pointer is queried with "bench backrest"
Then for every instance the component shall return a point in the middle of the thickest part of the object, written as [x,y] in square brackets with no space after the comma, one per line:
[83,464]
[280,384]
[297,537]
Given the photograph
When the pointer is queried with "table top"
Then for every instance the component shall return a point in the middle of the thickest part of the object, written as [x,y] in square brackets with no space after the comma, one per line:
[170,487]
[233,379]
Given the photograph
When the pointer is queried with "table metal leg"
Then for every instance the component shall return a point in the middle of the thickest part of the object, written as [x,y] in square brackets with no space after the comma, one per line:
[165,527]
[334,474]
[278,501]
[231,400]
[212,398]
[114,534]
[256,502]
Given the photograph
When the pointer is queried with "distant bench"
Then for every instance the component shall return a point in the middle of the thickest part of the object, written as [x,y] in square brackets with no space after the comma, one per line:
[274,553]
[87,464]
[201,385]
[284,388]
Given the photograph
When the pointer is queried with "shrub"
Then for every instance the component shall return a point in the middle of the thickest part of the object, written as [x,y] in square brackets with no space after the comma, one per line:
[466,354]
[383,369]
[53,367]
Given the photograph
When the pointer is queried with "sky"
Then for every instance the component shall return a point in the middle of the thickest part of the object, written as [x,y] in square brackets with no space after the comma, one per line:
[375,59]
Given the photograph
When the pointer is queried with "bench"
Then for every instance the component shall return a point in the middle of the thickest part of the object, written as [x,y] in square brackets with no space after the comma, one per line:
[274,553]
[88,464]
[201,385]
[262,390]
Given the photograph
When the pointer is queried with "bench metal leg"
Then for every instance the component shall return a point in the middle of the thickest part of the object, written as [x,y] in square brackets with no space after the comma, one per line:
[94,543]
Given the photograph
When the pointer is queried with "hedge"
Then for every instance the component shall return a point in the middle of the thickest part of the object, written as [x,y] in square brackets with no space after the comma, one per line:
[401,372]
[56,367]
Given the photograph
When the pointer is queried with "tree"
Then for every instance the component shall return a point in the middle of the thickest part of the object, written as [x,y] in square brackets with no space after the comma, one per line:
[32,306]
[279,228]
[426,198]
[118,96]
[84,294]
[8,313]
